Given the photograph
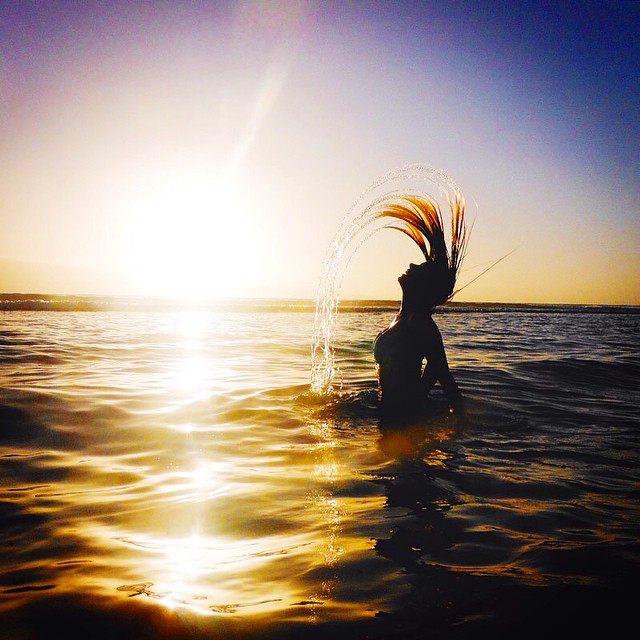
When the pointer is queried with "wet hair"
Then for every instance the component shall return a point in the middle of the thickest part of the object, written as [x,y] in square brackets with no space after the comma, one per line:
[421,219]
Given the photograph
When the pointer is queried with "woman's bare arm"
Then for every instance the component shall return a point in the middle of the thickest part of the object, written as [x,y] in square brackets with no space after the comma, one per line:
[437,367]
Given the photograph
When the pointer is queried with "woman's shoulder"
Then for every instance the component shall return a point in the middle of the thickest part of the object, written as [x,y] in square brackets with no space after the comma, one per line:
[391,340]
[382,339]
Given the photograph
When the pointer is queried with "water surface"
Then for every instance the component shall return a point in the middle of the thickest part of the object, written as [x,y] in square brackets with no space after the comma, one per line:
[168,474]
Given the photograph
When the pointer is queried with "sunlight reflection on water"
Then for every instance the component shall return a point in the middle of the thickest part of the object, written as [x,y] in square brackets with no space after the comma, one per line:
[174,459]
[253,524]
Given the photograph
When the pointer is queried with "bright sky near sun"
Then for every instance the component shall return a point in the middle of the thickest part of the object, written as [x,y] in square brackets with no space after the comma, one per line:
[213,148]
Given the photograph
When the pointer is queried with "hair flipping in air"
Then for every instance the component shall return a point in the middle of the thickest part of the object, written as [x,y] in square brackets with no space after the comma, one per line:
[422,222]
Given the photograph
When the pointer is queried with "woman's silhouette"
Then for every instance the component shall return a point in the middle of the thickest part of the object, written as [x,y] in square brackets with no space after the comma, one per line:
[404,379]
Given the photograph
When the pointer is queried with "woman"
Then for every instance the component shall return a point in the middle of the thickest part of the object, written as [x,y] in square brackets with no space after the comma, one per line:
[413,337]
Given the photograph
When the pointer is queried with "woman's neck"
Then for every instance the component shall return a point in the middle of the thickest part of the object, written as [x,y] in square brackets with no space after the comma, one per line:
[410,307]
[411,316]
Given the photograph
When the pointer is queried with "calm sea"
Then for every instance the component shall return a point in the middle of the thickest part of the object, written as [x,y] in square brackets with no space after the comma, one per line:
[165,473]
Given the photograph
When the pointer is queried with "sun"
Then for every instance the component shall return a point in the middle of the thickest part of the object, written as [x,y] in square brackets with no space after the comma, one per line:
[191,236]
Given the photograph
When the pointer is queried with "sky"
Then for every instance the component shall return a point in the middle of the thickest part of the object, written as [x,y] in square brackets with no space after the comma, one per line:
[214,148]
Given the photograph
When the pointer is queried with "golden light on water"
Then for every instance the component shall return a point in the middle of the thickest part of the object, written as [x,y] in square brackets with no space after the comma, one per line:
[208,574]
[190,374]
[208,534]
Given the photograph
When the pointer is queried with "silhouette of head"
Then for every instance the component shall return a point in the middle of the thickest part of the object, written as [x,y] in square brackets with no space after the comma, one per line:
[425,286]
[431,283]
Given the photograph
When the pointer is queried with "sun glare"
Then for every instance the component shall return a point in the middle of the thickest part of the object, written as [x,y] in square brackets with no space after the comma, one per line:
[190,238]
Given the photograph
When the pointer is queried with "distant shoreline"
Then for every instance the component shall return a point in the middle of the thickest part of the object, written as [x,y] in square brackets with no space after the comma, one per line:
[61,303]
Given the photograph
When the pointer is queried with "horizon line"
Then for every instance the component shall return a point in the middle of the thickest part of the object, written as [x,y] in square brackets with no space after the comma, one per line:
[16,296]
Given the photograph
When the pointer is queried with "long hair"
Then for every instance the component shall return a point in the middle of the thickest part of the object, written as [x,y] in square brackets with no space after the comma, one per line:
[421,219]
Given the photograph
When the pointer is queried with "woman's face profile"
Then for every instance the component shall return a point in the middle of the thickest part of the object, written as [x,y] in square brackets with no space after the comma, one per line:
[415,277]
[425,284]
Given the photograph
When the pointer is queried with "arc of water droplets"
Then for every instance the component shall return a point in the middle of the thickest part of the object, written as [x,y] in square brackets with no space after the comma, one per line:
[357,218]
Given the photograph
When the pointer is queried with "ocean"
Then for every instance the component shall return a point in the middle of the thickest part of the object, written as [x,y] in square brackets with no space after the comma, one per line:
[165,472]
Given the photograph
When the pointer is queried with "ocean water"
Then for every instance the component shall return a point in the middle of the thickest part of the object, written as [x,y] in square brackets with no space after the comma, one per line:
[166,473]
